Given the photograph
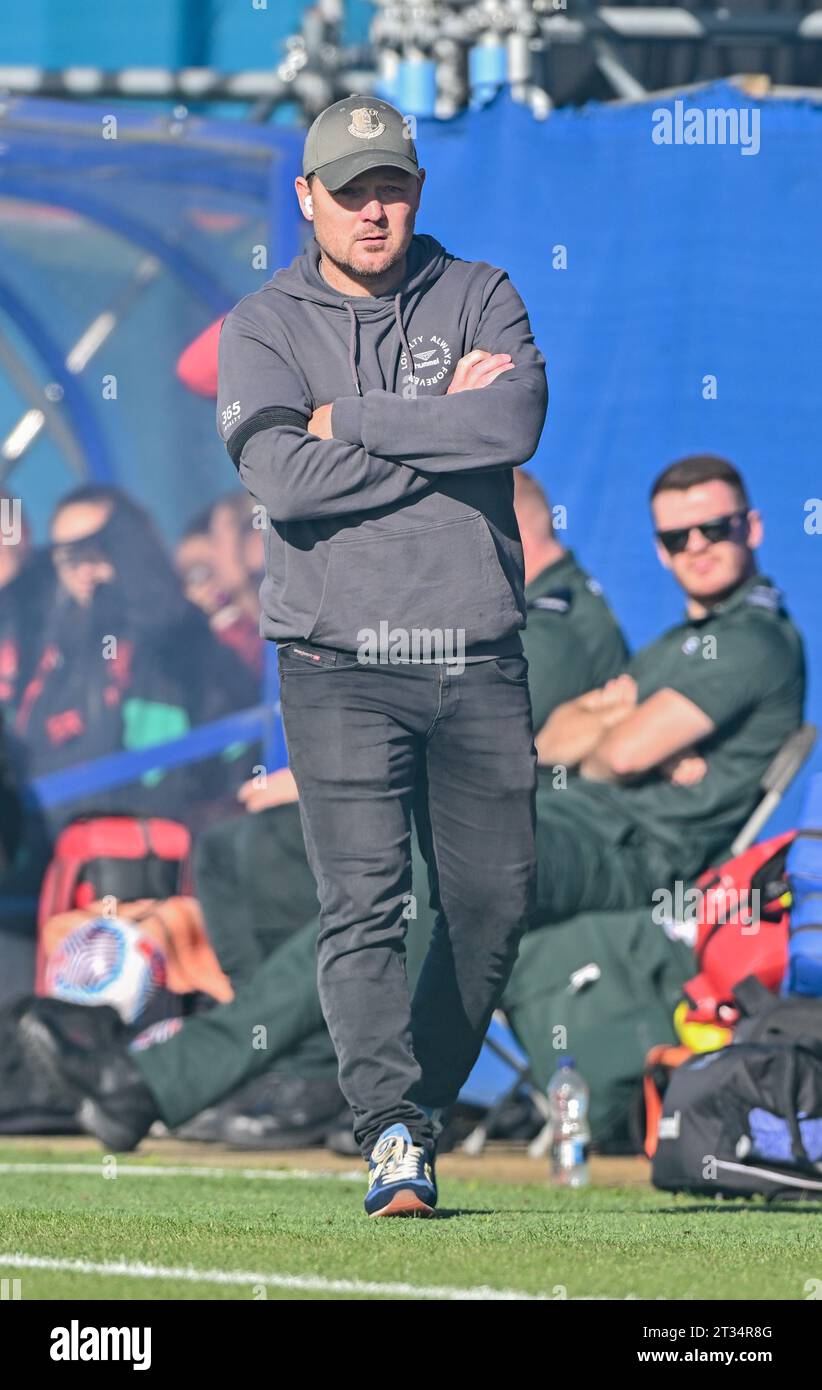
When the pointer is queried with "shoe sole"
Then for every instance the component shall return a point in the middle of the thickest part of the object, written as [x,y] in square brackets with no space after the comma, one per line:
[404,1203]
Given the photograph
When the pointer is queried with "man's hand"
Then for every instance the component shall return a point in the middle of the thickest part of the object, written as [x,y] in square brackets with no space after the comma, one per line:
[477,369]
[684,769]
[621,690]
[320,422]
[280,790]
[612,701]
[574,729]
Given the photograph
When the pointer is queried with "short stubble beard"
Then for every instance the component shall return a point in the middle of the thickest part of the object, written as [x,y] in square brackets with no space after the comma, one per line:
[355,271]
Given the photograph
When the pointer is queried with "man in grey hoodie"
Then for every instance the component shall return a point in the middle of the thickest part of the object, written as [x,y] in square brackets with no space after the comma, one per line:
[374,397]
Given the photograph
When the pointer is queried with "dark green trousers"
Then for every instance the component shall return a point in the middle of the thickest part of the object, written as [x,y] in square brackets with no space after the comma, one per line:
[581,869]
[260,903]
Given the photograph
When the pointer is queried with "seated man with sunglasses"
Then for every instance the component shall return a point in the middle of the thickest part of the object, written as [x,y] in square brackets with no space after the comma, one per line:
[646,781]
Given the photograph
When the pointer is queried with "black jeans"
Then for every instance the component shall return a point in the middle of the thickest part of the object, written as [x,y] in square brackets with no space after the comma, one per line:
[370,745]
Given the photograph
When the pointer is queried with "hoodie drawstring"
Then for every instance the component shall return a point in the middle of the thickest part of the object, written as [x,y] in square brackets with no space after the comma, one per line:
[352,347]
[398,316]
[353,341]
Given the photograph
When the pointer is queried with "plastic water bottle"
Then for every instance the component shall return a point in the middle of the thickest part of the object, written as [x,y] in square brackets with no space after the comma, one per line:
[568,1098]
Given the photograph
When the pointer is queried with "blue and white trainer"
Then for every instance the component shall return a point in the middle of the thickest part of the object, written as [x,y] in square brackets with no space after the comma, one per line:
[401,1179]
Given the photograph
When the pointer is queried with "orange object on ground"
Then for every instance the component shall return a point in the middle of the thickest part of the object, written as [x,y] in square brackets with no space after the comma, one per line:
[660,1059]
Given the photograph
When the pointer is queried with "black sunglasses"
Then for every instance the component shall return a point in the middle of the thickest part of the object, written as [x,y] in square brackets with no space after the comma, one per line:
[719,528]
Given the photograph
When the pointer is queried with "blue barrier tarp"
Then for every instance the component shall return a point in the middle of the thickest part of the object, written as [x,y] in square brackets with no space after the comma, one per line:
[682,261]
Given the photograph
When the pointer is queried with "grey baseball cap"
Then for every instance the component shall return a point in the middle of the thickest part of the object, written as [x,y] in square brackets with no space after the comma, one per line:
[356,134]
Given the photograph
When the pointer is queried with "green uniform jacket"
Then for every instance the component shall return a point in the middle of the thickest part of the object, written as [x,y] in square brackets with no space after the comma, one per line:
[572,639]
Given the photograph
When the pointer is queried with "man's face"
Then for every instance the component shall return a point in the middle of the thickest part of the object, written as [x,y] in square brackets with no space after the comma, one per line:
[81,573]
[194,561]
[707,569]
[366,227]
[227,538]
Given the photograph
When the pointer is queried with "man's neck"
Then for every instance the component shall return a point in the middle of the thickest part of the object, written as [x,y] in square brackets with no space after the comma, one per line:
[536,563]
[701,607]
[361,287]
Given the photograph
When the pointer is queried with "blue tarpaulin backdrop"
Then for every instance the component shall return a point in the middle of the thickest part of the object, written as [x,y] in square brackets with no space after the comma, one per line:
[682,261]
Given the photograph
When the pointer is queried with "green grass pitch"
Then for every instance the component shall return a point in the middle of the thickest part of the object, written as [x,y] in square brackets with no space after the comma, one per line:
[185,1234]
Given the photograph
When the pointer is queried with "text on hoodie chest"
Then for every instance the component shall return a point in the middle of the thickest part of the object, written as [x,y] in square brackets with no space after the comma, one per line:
[380,359]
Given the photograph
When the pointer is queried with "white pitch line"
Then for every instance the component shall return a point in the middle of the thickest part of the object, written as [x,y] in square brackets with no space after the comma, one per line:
[306,1282]
[169,1171]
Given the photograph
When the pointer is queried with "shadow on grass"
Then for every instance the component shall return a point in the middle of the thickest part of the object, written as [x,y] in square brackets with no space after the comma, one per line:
[448,1213]
[733,1206]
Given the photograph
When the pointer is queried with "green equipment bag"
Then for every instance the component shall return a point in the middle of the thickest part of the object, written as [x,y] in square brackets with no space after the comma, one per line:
[602,986]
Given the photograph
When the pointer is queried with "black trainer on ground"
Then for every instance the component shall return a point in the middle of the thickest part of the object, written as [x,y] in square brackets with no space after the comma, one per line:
[85,1053]
[284,1111]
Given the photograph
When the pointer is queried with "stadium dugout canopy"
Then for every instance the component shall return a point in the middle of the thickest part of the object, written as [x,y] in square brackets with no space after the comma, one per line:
[124,234]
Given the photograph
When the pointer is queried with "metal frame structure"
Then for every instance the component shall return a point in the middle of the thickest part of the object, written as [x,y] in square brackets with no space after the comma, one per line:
[434,57]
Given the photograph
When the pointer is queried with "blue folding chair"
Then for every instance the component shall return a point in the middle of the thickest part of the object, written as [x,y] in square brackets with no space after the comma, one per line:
[501,1072]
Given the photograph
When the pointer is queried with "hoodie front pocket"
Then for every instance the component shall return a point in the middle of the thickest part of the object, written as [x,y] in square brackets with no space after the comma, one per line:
[446,578]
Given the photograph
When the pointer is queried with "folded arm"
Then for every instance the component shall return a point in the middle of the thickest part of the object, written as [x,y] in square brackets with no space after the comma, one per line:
[263,409]
[497,427]
[575,727]
[702,697]
[654,732]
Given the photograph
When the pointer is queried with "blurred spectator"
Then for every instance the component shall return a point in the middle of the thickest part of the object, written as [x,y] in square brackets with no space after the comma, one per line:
[239,550]
[102,651]
[196,561]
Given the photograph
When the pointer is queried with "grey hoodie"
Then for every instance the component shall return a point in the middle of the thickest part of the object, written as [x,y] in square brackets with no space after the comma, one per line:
[406,516]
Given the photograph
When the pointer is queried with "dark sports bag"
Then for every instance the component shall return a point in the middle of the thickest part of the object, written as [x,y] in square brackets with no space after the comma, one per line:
[767,1017]
[748,1118]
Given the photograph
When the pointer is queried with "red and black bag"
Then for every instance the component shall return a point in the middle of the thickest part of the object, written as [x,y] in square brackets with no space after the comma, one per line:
[741,929]
[124,857]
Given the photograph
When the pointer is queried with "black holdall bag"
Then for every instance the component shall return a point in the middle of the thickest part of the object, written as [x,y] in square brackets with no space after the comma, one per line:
[747,1119]
[767,1017]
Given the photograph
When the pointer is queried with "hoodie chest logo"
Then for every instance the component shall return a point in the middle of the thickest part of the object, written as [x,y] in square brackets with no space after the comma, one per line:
[431,363]
[366,123]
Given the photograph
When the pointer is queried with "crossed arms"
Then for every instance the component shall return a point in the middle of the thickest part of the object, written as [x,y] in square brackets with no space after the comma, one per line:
[361,453]
[610,737]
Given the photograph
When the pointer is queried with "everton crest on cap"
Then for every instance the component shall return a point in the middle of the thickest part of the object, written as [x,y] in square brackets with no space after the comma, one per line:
[366,123]
[354,135]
